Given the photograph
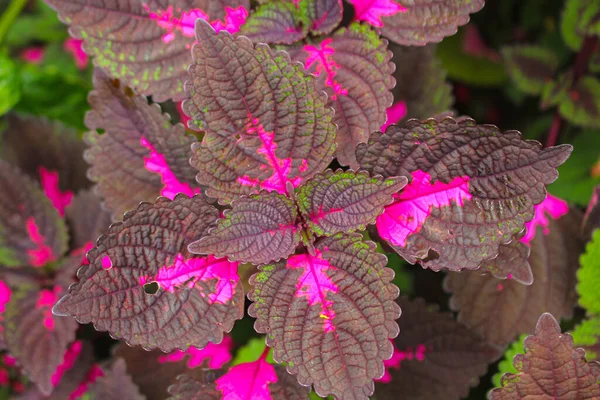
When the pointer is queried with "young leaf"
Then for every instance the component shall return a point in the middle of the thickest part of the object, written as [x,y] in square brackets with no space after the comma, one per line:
[146,44]
[588,286]
[31,231]
[501,310]
[115,384]
[435,357]
[550,364]
[354,67]
[345,201]
[330,315]
[277,22]
[416,22]
[420,81]
[582,105]
[325,15]
[579,18]
[461,203]
[119,158]
[143,286]
[259,229]
[36,338]
[511,263]
[266,123]
[530,67]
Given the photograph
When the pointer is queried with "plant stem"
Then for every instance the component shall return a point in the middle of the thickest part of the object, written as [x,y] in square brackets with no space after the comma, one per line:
[9,16]
[554,130]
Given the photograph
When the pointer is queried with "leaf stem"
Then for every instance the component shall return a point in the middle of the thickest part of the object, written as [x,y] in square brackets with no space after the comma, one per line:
[554,130]
[9,16]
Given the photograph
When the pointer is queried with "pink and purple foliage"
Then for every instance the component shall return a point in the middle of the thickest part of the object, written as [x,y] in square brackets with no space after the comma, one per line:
[395,362]
[413,205]
[394,114]
[42,253]
[551,206]
[75,47]
[92,375]
[248,380]
[371,11]
[5,294]
[60,200]
[157,163]
[69,360]
[320,55]
[217,355]
[46,300]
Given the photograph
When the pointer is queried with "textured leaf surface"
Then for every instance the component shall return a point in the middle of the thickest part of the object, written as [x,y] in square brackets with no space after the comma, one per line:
[512,263]
[501,310]
[277,22]
[86,218]
[550,364]
[588,286]
[259,229]
[31,142]
[329,316]
[530,67]
[345,201]
[119,156]
[115,384]
[325,15]
[31,231]
[461,203]
[196,300]
[188,388]
[435,357]
[35,337]
[266,124]
[419,22]
[146,44]
[506,364]
[353,67]
[582,105]
[420,81]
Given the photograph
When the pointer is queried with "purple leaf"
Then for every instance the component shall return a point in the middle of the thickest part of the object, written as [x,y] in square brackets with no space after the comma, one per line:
[329,316]
[32,142]
[115,384]
[141,155]
[259,229]
[146,44]
[345,201]
[60,200]
[31,231]
[266,123]
[354,67]
[86,218]
[36,338]
[435,357]
[325,15]
[154,371]
[417,22]
[511,263]
[276,22]
[502,310]
[551,364]
[144,287]
[461,203]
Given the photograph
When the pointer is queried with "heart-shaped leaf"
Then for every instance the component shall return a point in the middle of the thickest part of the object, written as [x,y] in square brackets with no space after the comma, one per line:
[502,310]
[146,44]
[330,315]
[530,67]
[31,231]
[354,67]
[435,357]
[461,203]
[266,123]
[141,155]
[37,339]
[551,364]
[259,229]
[345,201]
[277,22]
[144,287]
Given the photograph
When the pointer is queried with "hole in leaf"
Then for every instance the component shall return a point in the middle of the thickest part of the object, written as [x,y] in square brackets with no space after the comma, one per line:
[432,255]
[151,288]
[100,131]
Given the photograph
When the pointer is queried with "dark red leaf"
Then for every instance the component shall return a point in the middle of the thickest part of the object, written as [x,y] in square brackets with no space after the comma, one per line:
[188,388]
[435,357]
[141,155]
[325,15]
[345,201]
[550,368]
[86,218]
[461,203]
[143,286]
[512,263]
[266,123]
[276,22]
[115,384]
[259,229]
[329,316]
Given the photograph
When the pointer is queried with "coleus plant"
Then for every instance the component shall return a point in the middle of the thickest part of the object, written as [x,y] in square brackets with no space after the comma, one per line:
[276,100]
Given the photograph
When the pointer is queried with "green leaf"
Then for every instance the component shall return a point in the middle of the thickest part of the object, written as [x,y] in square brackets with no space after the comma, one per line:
[580,18]
[252,351]
[588,276]
[530,67]
[506,365]
[556,91]
[586,335]
[582,106]
[48,27]
[9,84]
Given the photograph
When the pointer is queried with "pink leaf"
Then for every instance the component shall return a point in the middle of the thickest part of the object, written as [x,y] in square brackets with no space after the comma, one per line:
[42,254]
[74,46]
[394,114]
[395,362]
[60,200]
[554,207]
[69,359]
[407,215]
[248,380]
[46,300]
[216,354]
[372,10]
[5,293]
[33,55]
